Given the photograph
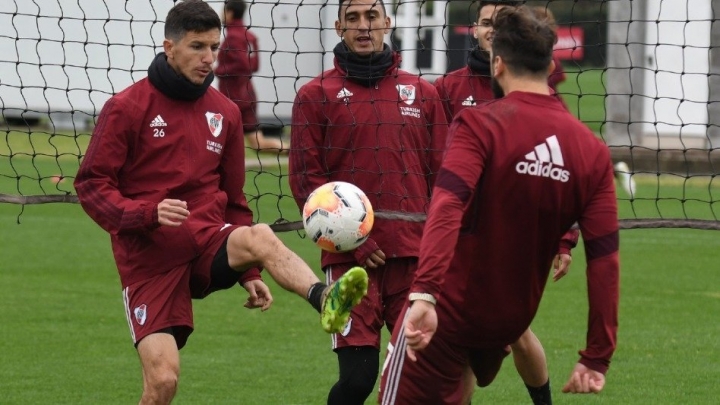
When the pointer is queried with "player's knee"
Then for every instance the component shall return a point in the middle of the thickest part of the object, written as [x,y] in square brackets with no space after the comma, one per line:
[161,386]
[264,238]
[257,240]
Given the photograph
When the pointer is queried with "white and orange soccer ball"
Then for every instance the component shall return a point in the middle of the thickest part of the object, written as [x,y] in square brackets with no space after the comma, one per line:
[338,217]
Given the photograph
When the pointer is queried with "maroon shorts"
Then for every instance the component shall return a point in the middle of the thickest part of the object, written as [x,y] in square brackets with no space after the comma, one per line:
[387,292]
[437,375]
[165,300]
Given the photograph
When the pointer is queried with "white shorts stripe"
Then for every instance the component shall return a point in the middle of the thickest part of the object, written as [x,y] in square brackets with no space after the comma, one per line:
[128,312]
[328,281]
[397,359]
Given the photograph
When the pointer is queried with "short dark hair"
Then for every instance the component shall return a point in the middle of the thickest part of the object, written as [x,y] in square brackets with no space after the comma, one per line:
[190,15]
[483,3]
[523,42]
[543,13]
[237,7]
[382,3]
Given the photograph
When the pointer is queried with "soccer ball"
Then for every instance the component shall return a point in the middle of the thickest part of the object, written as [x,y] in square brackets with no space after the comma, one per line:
[338,217]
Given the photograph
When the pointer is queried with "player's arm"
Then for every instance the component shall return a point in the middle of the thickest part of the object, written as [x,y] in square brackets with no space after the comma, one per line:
[599,226]
[563,259]
[306,170]
[224,59]
[437,127]
[461,169]
[443,92]
[254,55]
[232,174]
[463,165]
[231,60]
[97,182]
[569,240]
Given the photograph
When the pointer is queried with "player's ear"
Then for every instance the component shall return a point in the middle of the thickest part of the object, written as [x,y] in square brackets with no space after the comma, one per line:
[338,29]
[475,30]
[498,66]
[551,67]
[168,47]
[387,25]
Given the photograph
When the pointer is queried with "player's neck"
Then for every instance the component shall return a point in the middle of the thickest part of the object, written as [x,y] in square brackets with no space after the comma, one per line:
[528,85]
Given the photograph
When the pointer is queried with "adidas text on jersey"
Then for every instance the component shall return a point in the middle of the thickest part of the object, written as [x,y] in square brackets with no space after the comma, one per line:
[545,160]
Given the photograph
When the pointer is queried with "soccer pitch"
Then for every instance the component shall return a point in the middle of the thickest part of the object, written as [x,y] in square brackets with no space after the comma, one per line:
[66,340]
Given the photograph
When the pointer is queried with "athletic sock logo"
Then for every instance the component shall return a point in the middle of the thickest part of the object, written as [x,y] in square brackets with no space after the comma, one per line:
[544,160]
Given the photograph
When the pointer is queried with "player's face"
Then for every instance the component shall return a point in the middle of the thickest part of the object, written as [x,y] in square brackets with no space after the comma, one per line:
[194,54]
[363,25]
[483,26]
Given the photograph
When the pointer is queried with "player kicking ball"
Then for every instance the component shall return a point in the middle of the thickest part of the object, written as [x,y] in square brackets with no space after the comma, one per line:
[180,227]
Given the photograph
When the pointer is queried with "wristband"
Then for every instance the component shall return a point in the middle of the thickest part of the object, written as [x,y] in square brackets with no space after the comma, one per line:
[423,297]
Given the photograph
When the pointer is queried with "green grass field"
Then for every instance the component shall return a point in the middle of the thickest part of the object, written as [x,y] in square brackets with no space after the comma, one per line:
[65,338]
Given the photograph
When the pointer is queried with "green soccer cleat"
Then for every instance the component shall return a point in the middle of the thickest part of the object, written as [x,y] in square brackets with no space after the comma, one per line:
[340,297]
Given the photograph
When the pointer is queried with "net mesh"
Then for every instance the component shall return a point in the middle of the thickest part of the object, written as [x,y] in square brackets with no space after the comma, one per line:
[643,75]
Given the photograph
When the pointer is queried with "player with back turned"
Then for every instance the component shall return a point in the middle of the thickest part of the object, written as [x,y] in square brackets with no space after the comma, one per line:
[469,87]
[517,174]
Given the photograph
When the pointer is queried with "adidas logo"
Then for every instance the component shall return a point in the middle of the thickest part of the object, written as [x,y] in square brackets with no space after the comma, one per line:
[344,93]
[470,101]
[158,122]
[543,161]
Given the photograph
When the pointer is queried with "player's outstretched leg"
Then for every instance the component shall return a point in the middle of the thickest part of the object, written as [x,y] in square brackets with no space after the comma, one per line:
[340,297]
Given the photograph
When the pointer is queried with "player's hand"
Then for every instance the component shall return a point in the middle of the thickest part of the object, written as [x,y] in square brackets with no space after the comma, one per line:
[258,295]
[420,326]
[369,254]
[172,212]
[376,259]
[584,381]
[561,265]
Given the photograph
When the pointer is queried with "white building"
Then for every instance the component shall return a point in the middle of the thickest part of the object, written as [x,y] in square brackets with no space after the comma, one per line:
[659,70]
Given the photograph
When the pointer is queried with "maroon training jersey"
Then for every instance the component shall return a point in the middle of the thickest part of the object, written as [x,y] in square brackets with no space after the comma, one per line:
[387,139]
[147,147]
[518,173]
[238,59]
[461,89]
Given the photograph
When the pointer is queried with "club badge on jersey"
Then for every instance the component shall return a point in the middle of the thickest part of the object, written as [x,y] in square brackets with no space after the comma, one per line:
[407,96]
[214,121]
[407,93]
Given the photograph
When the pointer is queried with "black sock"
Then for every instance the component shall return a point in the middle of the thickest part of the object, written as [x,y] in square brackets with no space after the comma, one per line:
[358,368]
[314,295]
[540,395]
